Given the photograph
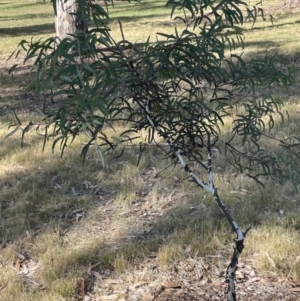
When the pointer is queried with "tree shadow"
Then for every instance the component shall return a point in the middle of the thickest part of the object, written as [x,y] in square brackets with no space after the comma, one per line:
[28,30]
[261,44]
[26,16]
[178,219]
[14,96]
[18,5]
[290,60]
[255,28]
[136,18]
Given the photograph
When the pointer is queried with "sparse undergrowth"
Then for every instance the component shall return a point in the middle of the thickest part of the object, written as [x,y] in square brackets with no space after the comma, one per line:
[60,216]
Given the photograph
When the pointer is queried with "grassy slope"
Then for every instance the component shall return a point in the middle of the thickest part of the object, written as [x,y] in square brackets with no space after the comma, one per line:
[117,203]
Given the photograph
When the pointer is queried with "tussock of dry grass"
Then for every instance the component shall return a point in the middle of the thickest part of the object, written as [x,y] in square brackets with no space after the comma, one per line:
[278,252]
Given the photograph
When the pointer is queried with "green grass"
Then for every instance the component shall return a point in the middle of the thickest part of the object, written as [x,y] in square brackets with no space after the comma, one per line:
[119,202]
[23,20]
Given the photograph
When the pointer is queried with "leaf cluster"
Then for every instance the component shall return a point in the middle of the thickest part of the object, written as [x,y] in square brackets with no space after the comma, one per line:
[189,83]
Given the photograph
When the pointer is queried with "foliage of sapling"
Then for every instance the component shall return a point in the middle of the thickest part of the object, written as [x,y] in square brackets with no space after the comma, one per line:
[182,86]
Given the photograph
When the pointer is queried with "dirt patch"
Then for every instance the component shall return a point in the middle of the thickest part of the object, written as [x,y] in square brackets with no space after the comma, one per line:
[187,280]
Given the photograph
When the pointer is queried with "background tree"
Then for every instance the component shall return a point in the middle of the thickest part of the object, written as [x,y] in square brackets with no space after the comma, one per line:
[69,18]
[182,87]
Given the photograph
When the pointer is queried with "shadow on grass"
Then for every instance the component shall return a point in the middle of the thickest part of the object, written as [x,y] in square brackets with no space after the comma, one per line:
[43,199]
[27,16]
[261,44]
[47,199]
[146,18]
[28,30]
[14,95]
[24,5]
[274,26]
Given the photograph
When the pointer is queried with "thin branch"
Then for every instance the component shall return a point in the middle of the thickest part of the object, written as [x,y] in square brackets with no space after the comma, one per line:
[121,29]
[231,270]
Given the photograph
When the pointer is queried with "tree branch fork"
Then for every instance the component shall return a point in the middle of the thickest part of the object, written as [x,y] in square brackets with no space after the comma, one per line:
[210,188]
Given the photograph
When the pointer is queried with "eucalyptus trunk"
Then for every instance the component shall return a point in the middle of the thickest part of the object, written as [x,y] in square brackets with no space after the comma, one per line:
[68,19]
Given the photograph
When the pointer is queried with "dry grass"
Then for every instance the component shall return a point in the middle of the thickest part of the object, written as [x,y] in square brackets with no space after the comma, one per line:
[63,215]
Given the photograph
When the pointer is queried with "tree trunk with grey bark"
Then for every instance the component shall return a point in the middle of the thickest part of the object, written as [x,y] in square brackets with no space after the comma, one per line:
[68,20]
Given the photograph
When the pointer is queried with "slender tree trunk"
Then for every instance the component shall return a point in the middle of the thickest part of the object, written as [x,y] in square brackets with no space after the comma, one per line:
[68,20]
